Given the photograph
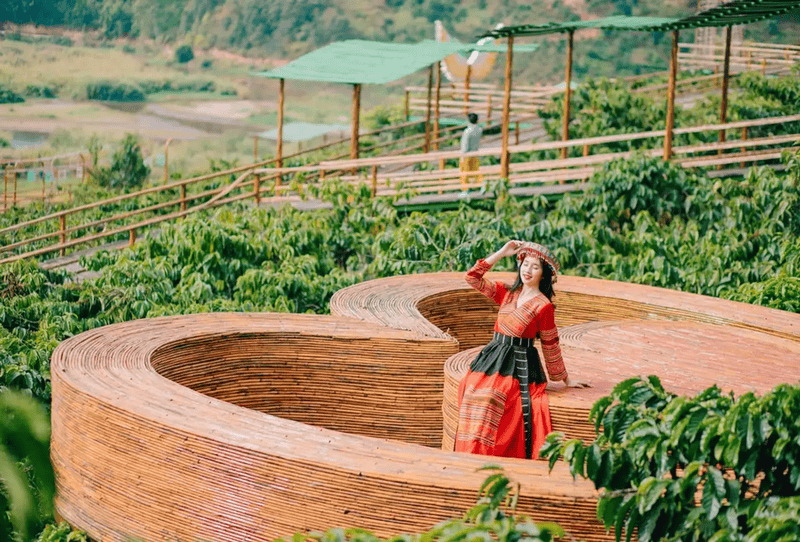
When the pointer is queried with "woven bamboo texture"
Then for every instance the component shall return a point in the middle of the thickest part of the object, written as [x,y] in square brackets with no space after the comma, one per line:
[609,332]
[239,427]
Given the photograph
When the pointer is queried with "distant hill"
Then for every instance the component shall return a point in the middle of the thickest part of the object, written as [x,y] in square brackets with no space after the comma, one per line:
[289,28]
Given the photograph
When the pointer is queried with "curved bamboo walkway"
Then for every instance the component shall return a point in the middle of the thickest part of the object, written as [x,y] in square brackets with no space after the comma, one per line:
[240,427]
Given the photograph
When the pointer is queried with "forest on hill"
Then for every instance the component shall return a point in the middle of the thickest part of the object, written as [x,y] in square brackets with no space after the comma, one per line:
[289,28]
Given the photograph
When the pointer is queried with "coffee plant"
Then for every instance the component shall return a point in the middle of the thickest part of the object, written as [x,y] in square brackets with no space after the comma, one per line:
[706,468]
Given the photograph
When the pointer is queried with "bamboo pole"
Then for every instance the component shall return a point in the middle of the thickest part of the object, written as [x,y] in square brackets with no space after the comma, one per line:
[466,89]
[428,112]
[62,224]
[166,161]
[257,188]
[132,237]
[279,149]
[516,133]
[406,110]
[567,92]
[374,181]
[504,158]
[673,69]
[356,113]
[488,107]
[723,108]
[438,96]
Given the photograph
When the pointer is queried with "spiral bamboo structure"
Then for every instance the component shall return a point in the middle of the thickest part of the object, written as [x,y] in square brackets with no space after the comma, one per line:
[240,427]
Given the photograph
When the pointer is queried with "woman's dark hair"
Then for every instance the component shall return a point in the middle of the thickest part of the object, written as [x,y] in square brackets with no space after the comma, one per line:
[545,285]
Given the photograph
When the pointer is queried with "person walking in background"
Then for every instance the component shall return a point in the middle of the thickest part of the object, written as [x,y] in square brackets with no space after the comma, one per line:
[470,142]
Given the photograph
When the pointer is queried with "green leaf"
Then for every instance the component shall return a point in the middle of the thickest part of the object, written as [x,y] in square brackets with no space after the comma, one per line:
[622,513]
[649,493]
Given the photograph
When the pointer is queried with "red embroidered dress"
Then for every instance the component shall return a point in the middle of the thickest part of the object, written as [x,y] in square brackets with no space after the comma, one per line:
[503,406]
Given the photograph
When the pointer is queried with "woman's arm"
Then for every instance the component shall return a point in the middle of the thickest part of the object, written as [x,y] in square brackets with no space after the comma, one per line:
[551,348]
[493,290]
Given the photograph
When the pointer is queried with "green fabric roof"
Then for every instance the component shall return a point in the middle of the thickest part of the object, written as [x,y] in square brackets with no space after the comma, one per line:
[361,61]
[731,13]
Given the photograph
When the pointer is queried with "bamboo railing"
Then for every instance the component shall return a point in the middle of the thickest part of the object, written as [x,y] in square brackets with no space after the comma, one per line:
[48,173]
[393,175]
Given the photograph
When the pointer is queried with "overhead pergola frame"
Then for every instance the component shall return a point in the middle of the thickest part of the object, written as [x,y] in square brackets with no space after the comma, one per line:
[726,15]
[359,62]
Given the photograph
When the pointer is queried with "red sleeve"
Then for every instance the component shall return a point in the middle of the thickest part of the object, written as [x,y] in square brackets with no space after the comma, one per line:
[495,291]
[550,344]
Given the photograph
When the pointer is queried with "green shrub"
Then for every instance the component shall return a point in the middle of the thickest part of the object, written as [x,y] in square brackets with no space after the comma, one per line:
[8,96]
[127,169]
[184,54]
[109,91]
[27,482]
[41,91]
[655,449]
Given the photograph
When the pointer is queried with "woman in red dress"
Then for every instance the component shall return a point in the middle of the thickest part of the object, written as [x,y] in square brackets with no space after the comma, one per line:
[503,406]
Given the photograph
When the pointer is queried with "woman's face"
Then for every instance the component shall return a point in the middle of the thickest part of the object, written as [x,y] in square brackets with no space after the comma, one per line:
[530,271]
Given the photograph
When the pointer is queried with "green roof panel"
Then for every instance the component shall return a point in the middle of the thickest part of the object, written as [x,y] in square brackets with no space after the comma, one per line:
[728,14]
[362,61]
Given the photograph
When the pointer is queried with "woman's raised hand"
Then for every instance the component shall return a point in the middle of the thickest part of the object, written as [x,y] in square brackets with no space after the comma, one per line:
[510,248]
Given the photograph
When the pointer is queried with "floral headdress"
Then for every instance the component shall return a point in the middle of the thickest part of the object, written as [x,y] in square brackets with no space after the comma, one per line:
[541,252]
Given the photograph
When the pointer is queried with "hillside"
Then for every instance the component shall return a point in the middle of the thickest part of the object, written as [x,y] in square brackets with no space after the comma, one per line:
[289,28]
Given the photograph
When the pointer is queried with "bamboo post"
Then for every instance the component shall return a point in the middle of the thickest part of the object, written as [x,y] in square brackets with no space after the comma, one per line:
[764,66]
[255,148]
[516,133]
[504,158]
[374,180]
[257,188]
[488,107]
[428,112]
[166,160]
[438,96]
[673,69]
[183,197]
[132,237]
[356,113]
[567,92]
[279,143]
[723,108]
[62,225]
[586,150]
[83,169]
[407,106]
[744,138]
[466,89]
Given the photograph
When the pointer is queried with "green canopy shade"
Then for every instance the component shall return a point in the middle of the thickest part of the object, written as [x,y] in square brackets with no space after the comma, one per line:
[362,61]
[731,13]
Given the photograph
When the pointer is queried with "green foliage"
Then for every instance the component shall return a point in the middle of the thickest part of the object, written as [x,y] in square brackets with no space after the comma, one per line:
[27,482]
[604,107]
[492,518]
[622,188]
[655,449]
[61,533]
[127,169]
[112,91]
[184,54]
[8,96]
